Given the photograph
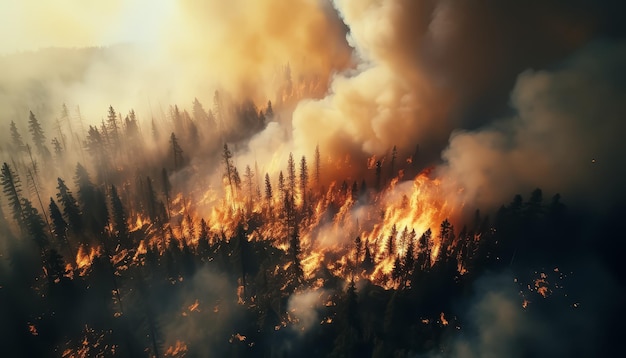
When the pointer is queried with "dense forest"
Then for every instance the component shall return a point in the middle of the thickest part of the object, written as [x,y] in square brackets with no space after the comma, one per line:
[155,238]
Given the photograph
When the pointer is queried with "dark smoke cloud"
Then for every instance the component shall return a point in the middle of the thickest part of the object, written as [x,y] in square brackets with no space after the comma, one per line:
[576,319]
[565,135]
[428,67]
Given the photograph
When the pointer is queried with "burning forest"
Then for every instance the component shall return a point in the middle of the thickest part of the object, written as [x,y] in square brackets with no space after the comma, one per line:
[314,178]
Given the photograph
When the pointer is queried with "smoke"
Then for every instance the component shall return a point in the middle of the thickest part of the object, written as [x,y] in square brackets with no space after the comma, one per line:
[204,315]
[173,51]
[304,306]
[565,136]
[577,319]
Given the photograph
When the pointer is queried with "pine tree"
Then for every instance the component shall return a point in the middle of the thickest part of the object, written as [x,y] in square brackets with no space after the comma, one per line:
[177,151]
[35,224]
[59,224]
[151,202]
[304,179]
[446,232]
[281,186]
[291,176]
[391,247]
[11,187]
[167,189]
[357,252]
[295,253]
[368,262]
[38,136]
[268,189]
[227,157]
[392,165]
[120,226]
[113,128]
[70,207]
[249,176]
[318,165]
[92,202]
[16,138]
[425,247]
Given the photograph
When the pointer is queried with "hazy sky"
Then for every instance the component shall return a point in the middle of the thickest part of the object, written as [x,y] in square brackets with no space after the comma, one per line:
[32,24]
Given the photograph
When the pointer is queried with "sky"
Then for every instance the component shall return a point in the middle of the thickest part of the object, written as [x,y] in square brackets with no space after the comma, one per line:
[32,24]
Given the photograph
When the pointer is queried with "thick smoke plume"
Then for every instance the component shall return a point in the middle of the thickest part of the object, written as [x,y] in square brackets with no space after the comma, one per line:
[565,135]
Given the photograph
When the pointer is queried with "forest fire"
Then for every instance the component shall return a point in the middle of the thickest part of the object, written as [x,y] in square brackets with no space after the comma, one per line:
[311,178]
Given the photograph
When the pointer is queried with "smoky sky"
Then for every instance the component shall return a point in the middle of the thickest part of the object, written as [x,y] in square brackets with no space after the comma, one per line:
[388,73]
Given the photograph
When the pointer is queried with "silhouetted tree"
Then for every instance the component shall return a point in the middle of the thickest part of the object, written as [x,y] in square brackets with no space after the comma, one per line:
[304,179]
[35,224]
[38,136]
[120,226]
[70,207]
[167,189]
[291,176]
[16,138]
[295,253]
[318,165]
[391,245]
[268,190]
[177,152]
[11,187]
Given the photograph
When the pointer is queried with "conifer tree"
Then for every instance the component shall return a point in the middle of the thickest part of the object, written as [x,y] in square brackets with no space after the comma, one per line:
[291,176]
[11,187]
[70,207]
[120,226]
[38,136]
[177,151]
[16,138]
[304,180]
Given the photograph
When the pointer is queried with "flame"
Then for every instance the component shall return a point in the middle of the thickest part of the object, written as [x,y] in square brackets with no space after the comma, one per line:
[443,319]
[178,349]
[84,258]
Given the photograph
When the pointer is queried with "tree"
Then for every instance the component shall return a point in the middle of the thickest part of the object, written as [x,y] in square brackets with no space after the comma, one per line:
[446,235]
[177,151]
[120,226]
[167,188]
[35,224]
[291,175]
[317,165]
[357,252]
[295,252]
[268,189]
[249,176]
[409,258]
[70,207]
[391,247]
[425,247]
[304,179]
[16,138]
[379,169]
[368,262]
[151,202]
[11,187]
[281,185]
[59,226]
[38,136]
[227,157]
[113,128]
[92,202]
